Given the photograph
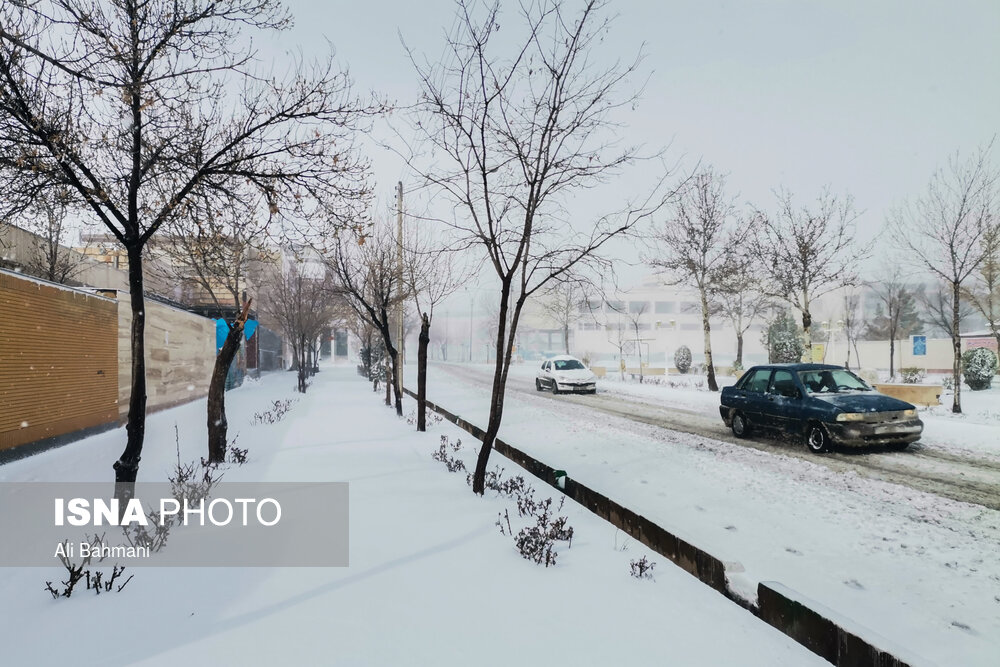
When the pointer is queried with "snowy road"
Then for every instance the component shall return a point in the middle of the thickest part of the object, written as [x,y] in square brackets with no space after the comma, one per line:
[962,476]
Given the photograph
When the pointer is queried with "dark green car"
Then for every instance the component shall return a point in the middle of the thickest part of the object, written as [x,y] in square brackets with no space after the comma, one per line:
[825,404]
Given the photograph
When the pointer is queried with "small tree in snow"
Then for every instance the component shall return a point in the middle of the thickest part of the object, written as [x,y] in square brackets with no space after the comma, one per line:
[979,365]
[783,341]
[682,359]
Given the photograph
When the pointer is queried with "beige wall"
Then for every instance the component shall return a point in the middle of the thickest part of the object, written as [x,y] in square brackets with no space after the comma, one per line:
[875,354]
[180,354]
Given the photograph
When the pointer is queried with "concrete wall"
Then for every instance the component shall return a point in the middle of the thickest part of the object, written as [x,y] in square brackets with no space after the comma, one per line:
[180,354]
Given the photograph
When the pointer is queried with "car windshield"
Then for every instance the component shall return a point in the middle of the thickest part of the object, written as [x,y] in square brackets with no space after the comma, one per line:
[567,364]
[832,381]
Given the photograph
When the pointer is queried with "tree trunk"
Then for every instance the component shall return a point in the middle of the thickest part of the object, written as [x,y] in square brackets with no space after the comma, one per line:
[892,357]
[127,465]
[424,340]
[566,337]
[707,329]
[396,392]
[503,348]
[807,331]
[956,346]
[388,380]
[218,426]
[739,348]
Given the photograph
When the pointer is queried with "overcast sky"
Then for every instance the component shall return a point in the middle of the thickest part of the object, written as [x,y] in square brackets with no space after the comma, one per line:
[865,97]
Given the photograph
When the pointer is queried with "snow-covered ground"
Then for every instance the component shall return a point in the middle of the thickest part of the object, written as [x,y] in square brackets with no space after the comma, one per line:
[431,580]
[911,566]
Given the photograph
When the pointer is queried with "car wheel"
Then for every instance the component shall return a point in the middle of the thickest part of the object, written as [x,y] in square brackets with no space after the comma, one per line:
[817,439]
[538,384]
[897,446]
[740,425]
[555,387]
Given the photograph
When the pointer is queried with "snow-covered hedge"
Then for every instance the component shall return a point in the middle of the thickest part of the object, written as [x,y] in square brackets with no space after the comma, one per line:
[979,365]
[682,359]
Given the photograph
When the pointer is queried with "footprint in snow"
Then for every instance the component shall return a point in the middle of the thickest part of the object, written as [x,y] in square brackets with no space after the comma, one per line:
[793,551]
[731,528]
[855,584]
[963,626]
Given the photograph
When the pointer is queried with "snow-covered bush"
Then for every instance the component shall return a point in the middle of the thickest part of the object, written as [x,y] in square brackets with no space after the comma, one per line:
[682,359]
[979,365]
[451,463]
[537,543]
[642,568]
[273,415]
[912,375]
[784,344]
[94,578]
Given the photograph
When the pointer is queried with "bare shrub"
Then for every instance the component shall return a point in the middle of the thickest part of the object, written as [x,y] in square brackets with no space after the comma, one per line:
[642,568]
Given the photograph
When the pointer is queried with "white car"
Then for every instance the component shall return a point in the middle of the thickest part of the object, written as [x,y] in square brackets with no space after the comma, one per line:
[565,373]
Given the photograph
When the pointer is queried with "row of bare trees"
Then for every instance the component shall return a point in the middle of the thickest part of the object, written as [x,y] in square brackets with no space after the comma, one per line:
[144,112]
[742,264]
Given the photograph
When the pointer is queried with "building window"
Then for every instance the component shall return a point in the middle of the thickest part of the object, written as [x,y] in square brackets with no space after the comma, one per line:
[637,307]
[690,307]
[665,307]
[690,326]
[616,306]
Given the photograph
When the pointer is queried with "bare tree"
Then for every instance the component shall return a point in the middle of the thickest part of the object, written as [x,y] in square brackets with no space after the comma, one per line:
[635,322]
[696,244]
[53,258]
[938,309]
[561,304]
[740,297]
[301,300]
[521,125]
[808,252]
[895,297]
[432,274]
[137,107]
[943,231]
[854,324]
[209,250]
[368,277]
[984,293]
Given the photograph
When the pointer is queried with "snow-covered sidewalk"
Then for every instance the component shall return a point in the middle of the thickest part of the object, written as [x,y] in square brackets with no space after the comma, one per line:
[431,580]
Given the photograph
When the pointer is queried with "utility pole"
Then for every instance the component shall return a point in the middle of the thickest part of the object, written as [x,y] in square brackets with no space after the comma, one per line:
[399,279]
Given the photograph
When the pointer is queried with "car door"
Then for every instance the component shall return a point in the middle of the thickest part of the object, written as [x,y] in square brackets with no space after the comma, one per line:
[783,402]
[547,379]
[751,397]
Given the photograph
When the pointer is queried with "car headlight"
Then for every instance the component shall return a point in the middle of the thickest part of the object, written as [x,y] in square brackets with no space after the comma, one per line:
[851,416]
[910,413]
